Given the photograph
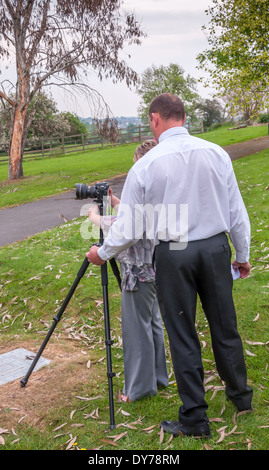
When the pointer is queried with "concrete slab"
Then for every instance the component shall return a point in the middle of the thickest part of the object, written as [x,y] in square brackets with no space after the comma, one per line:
[15,364]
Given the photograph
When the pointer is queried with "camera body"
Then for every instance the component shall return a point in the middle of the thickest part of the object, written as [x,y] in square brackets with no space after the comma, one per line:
[98,191]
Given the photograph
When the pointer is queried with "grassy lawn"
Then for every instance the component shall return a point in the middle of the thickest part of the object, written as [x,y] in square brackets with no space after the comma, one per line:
[224,136]
[65,405]
[54,175]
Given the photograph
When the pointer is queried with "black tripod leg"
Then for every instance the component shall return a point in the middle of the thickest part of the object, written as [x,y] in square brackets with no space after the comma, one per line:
[56,319]
[115,270]
[108,343]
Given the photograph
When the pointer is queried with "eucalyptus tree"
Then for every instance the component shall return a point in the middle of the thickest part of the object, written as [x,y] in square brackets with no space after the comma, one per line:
[59,42]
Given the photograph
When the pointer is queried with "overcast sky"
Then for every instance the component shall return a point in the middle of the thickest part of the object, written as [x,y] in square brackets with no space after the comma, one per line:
[174,35]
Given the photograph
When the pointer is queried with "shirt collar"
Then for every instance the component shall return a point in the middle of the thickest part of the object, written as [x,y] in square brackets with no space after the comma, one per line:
[173,131]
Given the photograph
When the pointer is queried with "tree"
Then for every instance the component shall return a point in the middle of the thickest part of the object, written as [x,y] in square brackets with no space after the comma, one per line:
[247,103]
[167,79]
[76,126]
[238,35]
[46,121]
[107,129]
[59,42]
[211,112]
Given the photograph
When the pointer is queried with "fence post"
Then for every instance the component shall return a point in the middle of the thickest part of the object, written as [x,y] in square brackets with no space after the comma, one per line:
[63,145]
[139,130]
[42,146]
[83,142]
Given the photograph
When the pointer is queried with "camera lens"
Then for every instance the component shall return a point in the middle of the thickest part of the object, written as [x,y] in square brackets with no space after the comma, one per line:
[91,192]
[98,191]
[83,191]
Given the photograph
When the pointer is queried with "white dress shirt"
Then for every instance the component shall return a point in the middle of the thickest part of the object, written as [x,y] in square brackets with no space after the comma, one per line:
[184,189]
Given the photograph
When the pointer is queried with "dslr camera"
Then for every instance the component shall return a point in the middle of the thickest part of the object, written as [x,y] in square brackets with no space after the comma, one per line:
[97,192]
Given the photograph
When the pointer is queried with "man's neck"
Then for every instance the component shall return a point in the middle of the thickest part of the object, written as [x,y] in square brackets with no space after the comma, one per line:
[165,125]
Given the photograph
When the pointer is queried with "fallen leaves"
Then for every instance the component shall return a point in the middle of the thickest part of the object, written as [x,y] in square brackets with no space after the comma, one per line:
[71,442]
[90,414]
[2,440]
[110,442]
[254,343]
[224,432]
[248,353]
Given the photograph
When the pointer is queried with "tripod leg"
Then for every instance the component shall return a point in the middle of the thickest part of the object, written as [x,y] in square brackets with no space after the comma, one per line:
[56,320]
[115,270]
[108,343]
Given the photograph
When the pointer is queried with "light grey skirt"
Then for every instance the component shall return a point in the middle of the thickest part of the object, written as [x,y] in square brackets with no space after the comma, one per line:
[143,342]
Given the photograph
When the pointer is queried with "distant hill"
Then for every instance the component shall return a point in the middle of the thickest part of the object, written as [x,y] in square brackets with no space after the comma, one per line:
[123,121]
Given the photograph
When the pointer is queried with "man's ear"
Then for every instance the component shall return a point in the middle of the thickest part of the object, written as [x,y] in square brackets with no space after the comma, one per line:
[155,119]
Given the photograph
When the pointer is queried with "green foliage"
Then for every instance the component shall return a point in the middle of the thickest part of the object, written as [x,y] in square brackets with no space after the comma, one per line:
[167,79]
[76,126]
[238,35]
[264,118]
[211,112]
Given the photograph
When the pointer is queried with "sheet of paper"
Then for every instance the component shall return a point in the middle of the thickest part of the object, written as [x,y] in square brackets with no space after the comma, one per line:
[235,272]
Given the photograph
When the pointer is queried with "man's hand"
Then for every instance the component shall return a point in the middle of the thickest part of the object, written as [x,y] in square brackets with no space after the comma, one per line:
[93,257]
[244,268]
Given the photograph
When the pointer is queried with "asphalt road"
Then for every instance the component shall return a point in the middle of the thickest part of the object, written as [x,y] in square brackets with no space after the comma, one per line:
[26,220]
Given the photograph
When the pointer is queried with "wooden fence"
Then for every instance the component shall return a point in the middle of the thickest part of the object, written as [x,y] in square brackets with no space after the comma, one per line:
[62,145]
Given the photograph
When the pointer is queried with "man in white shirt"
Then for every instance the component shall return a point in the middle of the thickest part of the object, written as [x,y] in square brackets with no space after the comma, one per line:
[184,195]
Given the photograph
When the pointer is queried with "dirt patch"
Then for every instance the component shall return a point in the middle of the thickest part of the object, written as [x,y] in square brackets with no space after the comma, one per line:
[50,387]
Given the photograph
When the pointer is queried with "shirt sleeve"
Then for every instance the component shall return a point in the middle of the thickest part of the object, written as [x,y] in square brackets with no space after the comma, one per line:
[128,227]
[106,222]
[240,231]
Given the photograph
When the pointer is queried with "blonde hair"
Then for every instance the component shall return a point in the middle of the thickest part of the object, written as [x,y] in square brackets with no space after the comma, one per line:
[144,148]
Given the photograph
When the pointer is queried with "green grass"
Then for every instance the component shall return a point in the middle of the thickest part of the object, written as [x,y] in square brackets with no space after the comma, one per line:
[54,175]
[35,277]
[224,136]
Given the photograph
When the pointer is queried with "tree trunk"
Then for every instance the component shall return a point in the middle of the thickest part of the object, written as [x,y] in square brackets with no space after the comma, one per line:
[16,143]
[19,127]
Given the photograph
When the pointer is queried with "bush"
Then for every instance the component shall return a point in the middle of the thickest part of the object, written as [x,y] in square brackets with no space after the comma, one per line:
[264,118]
[216,125]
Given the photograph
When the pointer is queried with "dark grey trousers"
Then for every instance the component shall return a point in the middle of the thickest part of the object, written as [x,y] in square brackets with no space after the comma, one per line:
[203,268]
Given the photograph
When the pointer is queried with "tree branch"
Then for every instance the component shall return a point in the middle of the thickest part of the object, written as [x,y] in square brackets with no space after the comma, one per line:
[6,98]
[93,97]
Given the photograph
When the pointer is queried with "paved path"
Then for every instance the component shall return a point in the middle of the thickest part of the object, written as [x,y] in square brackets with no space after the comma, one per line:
[243,149]
[18,223]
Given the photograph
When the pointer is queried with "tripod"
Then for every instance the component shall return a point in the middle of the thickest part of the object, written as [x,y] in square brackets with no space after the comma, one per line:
[108,340]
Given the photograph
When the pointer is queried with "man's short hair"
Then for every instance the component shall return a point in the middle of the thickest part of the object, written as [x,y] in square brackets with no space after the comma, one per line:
[168,106]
